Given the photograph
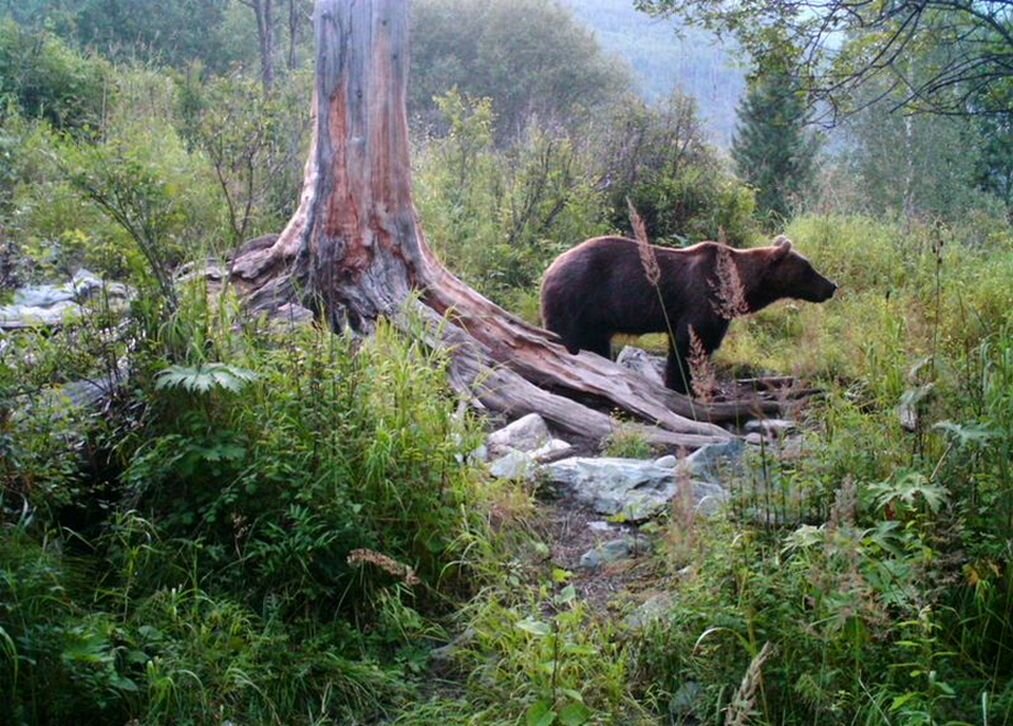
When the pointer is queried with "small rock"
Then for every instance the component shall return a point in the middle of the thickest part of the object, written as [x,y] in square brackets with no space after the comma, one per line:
[528,433]
[770,427]
[754,439]
[612,551]
[710,505]
[790,447]
[685,701]
[514,465]
[479,455]
[446,653]
[912,404]
[649,366]
[715,462]
[686,573]
[652,610]
[599,526]
[667,462]
[636,490]
[555,450]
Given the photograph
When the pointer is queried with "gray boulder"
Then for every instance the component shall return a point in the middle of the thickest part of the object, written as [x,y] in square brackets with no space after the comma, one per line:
[527,433]
[651,367]
[715,463]
[651,611]
[517,465]
[637,490]
[43,296]
[770,427]
[517,449]
[615,550]
[52,305]
[13,317]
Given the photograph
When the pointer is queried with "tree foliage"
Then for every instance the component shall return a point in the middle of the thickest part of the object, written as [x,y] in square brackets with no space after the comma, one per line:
[844,43]
[44,78]
[772,149]
[530,57]
[658,158]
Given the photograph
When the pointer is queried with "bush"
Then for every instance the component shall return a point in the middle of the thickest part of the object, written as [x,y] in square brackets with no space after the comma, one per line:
[310,462]
[255,142]
[658,158]
[43,78]
[498,218]
[286,526]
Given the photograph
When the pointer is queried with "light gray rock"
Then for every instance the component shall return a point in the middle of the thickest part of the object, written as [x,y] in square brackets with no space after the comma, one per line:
[555,450]
[770,427]
[479,456]
[912,405]
[84,394]
[790,447]
[652,610]
[651,367]
[754,439]
[710,505]
[528,433]
[17,316]
[715,463]
[51,305]
[43,296]
[517,465]
[445,653]
[686,701]
[615,550]
[635,489]
[667,462]
[288,317]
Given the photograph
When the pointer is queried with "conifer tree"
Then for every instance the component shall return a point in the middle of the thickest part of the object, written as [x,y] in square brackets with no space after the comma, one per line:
[772,149]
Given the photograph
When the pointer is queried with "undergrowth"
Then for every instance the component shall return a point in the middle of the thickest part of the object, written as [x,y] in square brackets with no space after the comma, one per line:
[291,512]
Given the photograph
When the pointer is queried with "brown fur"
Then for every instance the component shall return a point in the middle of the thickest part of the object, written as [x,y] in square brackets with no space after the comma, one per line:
[599,288]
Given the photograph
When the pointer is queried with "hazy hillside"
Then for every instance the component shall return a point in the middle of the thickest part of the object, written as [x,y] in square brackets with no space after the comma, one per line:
[663,60]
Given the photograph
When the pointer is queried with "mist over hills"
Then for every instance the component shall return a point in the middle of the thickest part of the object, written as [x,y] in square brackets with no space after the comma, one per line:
[664,58]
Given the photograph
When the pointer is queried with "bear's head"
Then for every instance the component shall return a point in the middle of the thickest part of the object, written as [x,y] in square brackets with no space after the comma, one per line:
[789,274]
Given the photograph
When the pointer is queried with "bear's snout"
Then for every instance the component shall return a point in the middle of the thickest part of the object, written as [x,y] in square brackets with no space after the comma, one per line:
[819,289]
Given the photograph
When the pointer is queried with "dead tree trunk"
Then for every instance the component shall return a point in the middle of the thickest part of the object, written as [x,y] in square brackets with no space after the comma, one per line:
[354,252]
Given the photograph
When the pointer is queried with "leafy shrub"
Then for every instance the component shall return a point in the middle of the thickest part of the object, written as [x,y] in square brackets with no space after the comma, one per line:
[58,662]
[326,452]
[658,158]
[499,217]
[43,78]
[254,141]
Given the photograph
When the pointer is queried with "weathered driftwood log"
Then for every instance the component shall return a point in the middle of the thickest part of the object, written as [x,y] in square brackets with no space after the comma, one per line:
[354,251]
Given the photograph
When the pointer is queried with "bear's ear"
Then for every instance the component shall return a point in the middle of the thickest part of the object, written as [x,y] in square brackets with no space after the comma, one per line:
[782,246]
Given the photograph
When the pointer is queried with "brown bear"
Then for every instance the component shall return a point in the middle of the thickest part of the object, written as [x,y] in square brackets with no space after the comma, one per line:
[610,285]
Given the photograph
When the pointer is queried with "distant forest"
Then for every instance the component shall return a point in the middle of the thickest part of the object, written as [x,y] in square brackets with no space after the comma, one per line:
[664,57]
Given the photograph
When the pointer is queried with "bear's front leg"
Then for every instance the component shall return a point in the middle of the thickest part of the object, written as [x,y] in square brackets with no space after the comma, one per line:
[677,371]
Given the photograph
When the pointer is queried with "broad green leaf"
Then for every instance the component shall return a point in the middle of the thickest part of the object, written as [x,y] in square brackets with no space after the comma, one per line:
[535,627]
